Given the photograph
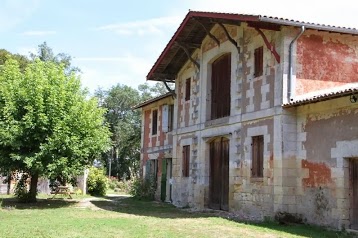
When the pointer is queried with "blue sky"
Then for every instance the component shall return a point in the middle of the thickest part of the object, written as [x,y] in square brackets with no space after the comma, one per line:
[119,41]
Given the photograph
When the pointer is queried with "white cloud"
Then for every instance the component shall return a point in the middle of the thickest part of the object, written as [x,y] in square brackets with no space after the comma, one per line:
[26,50]
[143,27]
[38,33]
[107,71]
[13,12]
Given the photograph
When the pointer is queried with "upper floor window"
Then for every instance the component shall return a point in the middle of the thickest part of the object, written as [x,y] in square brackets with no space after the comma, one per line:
[257,156]
[259,61]
[187,89]
[154,122]
[171,117]
[220,87]
[167,117]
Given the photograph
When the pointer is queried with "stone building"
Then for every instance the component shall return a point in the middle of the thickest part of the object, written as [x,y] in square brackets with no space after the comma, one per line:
[263,119]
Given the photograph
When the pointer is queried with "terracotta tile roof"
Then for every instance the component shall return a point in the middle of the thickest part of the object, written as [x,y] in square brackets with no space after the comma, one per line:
[149,101]
[324,95]
[309,25]
[192,31]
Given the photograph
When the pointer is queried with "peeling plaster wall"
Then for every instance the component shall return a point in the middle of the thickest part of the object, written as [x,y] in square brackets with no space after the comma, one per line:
[157,146]
[306,148]
[253,100]
[325,60]
[327,135]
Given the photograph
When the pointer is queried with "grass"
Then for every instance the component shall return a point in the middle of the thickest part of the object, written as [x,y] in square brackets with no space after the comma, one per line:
[127,217]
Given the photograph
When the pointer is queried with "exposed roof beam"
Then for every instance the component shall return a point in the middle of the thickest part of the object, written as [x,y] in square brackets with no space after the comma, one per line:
[269,45]
[188,54]
[188,44]
[229,37]
[170,77]
[208,32]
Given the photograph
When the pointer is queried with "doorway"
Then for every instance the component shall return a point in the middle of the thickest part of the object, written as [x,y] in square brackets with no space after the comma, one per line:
[219,174]
[166,181]
[354,192]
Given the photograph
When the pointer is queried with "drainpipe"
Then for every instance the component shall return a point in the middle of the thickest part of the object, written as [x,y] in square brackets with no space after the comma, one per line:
[290,67]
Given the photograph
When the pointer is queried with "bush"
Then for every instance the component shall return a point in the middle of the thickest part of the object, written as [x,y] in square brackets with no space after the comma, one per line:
[21,191]
[97,182]
[143,188]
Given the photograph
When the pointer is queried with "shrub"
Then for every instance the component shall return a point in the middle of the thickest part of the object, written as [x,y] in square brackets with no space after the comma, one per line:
[97,182]
[21,191]
[143,188]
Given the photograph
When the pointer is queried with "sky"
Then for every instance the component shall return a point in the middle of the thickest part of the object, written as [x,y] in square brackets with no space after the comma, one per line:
[116,41]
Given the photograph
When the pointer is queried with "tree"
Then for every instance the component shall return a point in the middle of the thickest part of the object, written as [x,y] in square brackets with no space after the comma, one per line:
[124,124]
[157,89]
[48,126]
[21,59]
[45,53]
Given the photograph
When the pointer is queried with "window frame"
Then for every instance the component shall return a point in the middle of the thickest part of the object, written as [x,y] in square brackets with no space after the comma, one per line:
[170,117]
[187,89]
[221,87]
[259,61]
[186,161]
[257,156]
[155,122]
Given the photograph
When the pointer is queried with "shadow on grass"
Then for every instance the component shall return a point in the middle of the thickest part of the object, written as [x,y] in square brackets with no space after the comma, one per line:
[134,206]
[42,203]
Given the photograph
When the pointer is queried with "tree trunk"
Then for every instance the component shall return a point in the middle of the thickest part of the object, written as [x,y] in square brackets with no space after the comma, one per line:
[33,187]
[8,183]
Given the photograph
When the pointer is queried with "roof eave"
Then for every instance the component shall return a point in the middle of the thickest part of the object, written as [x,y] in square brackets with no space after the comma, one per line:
[152,100]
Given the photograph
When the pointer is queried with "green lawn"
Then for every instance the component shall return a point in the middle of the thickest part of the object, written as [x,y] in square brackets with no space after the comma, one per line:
[127,217]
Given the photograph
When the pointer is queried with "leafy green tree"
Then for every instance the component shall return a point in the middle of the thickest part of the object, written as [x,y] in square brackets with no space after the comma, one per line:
[124,124]
[21,59]
[123,159]
[46,54]
[48,124]
[157,89]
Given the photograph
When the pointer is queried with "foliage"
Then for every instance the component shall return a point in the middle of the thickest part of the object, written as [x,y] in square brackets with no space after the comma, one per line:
[97,182]
[21,191]
[143,188]
[46,54]
[124,124]
[117,186]
[21,59]
[48,124]
[156,90]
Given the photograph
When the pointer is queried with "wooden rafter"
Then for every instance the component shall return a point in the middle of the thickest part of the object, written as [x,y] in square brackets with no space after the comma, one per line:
[188,54]
[167,87]
[269,45]
[229,37]
[167,77]
[208,32]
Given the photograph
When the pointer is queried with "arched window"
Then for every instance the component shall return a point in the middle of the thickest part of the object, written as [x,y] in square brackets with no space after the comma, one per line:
[220,87]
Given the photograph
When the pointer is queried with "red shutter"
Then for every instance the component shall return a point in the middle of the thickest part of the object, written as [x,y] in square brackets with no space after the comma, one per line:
[220,87]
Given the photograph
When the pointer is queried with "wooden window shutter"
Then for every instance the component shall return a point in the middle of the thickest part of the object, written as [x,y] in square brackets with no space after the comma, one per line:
[187,89]
[220,87]
[186,160]
[171,117]
[154,122]
[257,156]
[259,64]
[165,118]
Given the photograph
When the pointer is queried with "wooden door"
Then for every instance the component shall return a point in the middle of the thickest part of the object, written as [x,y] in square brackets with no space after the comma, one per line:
[169,180]
[163,184]
[219,174]
[354,192]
